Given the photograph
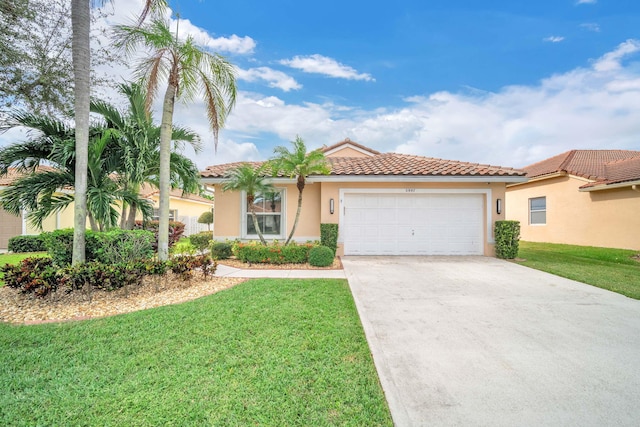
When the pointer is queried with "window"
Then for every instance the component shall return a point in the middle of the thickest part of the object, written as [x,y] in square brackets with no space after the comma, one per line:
[268,209]
[538,211]
[173,214]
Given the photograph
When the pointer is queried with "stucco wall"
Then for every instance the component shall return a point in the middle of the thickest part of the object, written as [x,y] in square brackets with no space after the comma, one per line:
[348,152]
[608,218]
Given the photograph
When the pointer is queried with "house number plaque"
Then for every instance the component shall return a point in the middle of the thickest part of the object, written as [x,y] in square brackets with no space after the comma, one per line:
[409,190]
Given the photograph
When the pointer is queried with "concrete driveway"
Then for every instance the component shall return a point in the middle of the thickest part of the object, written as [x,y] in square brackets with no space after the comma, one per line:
[476,341]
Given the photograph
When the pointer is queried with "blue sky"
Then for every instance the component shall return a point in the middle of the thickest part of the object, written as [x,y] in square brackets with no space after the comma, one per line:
[501,82]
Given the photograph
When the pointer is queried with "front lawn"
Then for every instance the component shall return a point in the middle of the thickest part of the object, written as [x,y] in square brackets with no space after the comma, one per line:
[14,258]
[612,269]
[266,352]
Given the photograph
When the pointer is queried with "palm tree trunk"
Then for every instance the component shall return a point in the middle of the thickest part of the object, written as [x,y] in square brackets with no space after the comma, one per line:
[123,217]
[257,227]
[131,221]
[165,165]
[81,54]
[295,222]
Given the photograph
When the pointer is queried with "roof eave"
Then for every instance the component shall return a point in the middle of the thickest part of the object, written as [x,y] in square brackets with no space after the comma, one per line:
[611,186]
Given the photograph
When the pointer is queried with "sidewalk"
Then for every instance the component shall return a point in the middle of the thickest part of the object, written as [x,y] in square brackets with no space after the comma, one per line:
[226,271]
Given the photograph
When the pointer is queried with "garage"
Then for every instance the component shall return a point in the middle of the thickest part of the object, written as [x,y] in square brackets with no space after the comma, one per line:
[413,223]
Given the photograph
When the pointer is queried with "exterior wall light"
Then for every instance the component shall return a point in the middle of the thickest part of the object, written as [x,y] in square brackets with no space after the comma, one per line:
[499,206]
[331,206]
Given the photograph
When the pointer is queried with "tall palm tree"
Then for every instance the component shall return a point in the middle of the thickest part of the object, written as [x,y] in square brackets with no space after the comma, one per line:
[188,70]
[297,163]
[81,58]
[138,140]
[252,181]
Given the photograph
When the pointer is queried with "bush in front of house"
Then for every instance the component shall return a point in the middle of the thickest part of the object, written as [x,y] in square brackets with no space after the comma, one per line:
[329,236]
[507,237]
[176,229]
[109,247]
[35,275]
[321,256]
[201,241]
[273,253]
[30,243]
[221,250]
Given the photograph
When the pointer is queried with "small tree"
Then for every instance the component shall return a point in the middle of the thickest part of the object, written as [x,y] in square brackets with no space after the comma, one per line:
[252,181]
[206,218]
[299,164]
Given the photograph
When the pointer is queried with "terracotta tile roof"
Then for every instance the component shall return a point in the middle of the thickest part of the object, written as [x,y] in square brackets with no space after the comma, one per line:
[347,141]
[148,191]
[15,173]
[391,164]
[600,166]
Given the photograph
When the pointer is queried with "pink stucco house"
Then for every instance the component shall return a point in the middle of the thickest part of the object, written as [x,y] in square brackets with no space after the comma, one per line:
[580,197]
[384,203]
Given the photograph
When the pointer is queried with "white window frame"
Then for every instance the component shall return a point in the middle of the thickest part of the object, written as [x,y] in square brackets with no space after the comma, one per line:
[531,211]
[173,214]
[283,218]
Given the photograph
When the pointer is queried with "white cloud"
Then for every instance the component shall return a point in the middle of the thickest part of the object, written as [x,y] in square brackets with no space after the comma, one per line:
[591,26]
[586,1]
[612,60]
[231,44]
[553,39]
[275,78]
[327,66]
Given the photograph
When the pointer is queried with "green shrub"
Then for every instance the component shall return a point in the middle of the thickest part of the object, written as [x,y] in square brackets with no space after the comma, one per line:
[329,236]
[122,246]
[206,218]
[176,229]
[221,250]
[274,253]
[184,265]
[110,247]
[507,236]
[321,256]
[201,241]
[59,244]
[26,244]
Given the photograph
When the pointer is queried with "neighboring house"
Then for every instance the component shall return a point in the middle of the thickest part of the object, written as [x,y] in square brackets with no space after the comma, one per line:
[581,197]
[393,204]
[12,225]
[185,208]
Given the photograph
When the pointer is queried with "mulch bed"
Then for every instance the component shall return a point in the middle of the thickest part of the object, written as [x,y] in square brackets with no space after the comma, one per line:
[232,262]
[19,308]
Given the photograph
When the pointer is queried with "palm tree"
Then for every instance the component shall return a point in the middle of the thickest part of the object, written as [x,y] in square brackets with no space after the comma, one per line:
[138,140]
[252,181]
[81,58]
[188,70]
[299,164]
[47,161]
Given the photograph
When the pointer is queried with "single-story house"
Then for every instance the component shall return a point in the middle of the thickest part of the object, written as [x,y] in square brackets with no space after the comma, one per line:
[384,203]
[581,197]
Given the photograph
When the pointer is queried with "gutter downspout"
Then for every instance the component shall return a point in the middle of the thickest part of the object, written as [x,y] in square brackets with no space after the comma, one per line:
[635,187]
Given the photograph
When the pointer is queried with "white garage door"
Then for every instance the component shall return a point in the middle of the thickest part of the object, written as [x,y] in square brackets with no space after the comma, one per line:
[413,224]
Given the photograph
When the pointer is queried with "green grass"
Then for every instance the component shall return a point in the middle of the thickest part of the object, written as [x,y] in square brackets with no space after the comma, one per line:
[611,269]
[268,352]
[16,258]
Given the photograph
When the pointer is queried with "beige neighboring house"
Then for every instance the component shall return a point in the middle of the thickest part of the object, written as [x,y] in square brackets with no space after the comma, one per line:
[384,204]
[183,207]
[581,197]
[12,225]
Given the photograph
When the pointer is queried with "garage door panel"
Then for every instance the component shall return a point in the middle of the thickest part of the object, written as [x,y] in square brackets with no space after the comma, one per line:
[419,224]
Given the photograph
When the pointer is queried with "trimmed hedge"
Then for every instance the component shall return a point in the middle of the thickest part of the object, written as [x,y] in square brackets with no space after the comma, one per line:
[329,236]
[32,243]
[110,247]
[201,241]
[274,253]
[221,250]
[321,256]
[507,236]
